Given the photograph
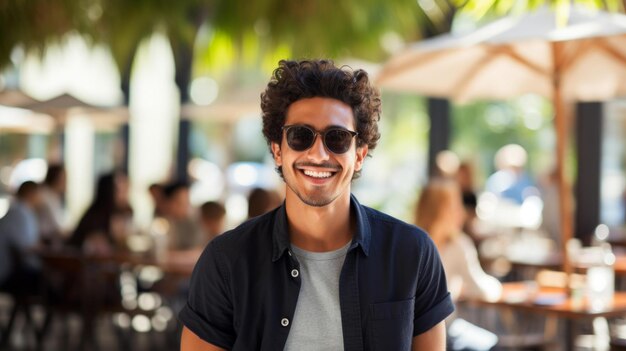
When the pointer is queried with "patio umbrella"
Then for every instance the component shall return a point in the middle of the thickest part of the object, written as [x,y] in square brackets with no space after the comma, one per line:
[583,60]
[18,120]
[229,107]
[16,98]
[62,107]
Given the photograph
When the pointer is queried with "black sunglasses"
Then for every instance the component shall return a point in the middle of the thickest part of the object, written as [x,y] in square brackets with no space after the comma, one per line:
[336,140]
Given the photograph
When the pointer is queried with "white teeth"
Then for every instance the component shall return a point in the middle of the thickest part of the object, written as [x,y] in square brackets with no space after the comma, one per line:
[317,174]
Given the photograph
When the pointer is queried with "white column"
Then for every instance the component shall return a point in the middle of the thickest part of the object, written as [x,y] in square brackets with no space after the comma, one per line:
[154,111]
[79,149]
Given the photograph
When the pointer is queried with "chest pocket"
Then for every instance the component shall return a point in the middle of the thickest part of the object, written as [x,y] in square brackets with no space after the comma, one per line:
[391,325]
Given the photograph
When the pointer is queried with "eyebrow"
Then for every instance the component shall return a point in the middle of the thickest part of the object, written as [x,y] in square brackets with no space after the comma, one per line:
[332,126]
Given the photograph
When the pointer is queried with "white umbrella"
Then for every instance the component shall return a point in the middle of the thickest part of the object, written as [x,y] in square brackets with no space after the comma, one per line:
[64,106]
[18,120]
[585,60]
[16,98]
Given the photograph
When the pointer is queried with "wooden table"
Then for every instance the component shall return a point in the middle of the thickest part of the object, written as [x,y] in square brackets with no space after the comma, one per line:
[91,285]
[176,263]
[523,296]
[552,302]
[528,267]
[554,261]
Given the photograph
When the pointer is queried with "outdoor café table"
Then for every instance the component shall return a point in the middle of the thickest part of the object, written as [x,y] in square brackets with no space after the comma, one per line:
[176,263]
[555,260]
[97,281]
[527,267]
[552,302]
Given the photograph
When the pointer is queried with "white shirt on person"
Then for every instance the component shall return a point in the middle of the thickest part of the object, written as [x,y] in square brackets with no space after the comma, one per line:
[464,275]
[51,216]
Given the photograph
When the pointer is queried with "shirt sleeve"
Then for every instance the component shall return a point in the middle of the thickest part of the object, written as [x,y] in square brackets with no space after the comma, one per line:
[432,299]
[209,310]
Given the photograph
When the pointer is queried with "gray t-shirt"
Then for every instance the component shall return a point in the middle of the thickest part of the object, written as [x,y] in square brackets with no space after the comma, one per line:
[316,324]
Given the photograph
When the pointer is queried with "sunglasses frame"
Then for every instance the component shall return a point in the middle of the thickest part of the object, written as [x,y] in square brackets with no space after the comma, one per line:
[321,134]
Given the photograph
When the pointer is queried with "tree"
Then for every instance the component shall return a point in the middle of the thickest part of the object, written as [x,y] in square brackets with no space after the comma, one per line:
[33,25]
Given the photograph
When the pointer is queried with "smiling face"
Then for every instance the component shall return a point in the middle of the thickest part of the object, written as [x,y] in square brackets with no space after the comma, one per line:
[317,176]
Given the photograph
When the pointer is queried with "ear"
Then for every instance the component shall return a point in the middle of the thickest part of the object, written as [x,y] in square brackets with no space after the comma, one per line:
[361,153]
[276,153]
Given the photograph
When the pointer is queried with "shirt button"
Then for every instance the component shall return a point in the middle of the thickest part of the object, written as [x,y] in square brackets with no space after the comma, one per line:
[295,273]
[284,322]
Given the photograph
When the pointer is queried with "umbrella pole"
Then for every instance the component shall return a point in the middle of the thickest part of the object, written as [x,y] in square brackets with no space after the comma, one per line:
[561,119]
[565,194]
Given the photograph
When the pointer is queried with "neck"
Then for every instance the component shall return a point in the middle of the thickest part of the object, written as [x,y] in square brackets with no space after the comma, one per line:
[319,229]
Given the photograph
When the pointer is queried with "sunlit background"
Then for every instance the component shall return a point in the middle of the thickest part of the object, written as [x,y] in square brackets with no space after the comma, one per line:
[170,90]
[228,61]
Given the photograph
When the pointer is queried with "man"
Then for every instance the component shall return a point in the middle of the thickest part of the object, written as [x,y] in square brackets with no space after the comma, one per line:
[19,233]
[321,272]
[51,215]
[185,231]
[212,219]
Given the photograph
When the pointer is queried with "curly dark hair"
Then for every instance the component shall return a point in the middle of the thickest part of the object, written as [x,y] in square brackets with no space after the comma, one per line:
[296,80]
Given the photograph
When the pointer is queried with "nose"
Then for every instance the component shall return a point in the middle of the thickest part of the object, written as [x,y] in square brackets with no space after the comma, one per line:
[318,153]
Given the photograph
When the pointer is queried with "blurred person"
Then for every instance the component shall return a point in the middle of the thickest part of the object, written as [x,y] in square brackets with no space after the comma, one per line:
[156,193]
[550,218]
[184,231]
[441,214]
[19,235]
[51,215]
[510,181]
[213,219]
[465,179]
[321,272]
[261,201]
[105,225]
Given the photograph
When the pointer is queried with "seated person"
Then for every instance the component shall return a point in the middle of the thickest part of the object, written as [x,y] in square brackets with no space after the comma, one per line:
[441,214]
[261,201]
[212,219]
[51,214]
[156,193]
[184,230]
[104,226]
[19,234]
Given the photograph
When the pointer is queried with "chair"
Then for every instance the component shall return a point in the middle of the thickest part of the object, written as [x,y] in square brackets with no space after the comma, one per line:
[64,293]
[23,287]
[84,286]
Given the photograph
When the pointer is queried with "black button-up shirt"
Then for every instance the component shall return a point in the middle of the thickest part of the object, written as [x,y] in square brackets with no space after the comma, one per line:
[243,291]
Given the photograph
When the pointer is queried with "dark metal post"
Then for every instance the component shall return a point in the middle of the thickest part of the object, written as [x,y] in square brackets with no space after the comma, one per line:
[438,140]
[589,120]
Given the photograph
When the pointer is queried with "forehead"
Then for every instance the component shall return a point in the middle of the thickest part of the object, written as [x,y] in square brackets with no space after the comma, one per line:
[320,113]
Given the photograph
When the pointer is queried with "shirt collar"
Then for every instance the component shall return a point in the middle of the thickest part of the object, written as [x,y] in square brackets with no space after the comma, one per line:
[361,238]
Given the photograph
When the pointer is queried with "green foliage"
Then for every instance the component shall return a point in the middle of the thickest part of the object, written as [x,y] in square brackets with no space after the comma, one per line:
[34,24]
[124,24]
[259,30]
[441,13]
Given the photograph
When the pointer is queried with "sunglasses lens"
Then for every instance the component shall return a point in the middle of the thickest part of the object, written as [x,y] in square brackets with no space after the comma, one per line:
[300,138]
[338,141]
